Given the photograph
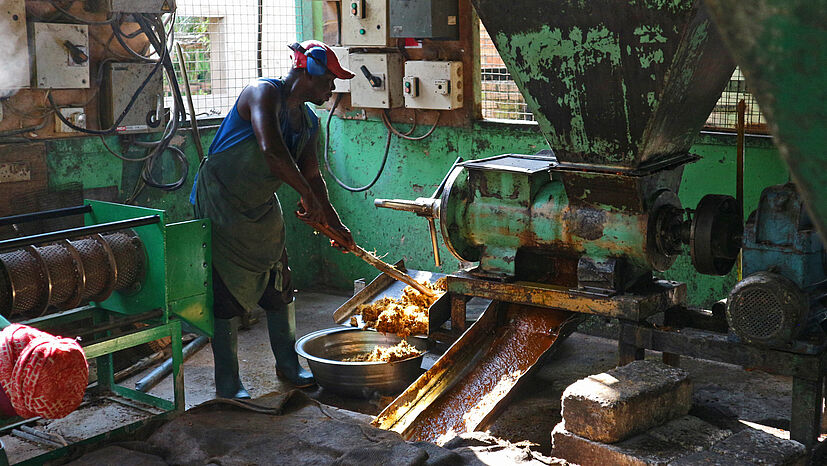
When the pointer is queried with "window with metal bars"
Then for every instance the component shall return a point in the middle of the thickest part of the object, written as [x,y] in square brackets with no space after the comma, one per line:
[227,44]
[502,100]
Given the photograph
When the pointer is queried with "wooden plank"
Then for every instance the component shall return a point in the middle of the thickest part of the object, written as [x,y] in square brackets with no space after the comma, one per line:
[717,347]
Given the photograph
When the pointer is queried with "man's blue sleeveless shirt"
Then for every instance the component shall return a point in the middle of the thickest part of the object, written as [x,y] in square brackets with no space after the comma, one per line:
[235,129]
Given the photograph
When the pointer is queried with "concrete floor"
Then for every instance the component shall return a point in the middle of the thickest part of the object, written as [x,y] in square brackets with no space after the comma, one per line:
[720,390]
[753,397]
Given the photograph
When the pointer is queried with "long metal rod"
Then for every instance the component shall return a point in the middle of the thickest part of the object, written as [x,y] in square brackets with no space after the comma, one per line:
[360,252]
[35,439]
[80,231]
[196,135]
[45,214]
[153,314]
[739,173]
[164,369]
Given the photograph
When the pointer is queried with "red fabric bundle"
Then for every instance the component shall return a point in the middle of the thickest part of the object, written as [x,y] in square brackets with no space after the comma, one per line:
[43,375]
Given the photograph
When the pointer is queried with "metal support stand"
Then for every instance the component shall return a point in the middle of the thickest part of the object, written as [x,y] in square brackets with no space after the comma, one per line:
[806,365]
[101,350]
[659,296]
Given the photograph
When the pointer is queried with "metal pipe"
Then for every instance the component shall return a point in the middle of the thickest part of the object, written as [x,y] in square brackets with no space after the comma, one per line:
[196,135]
[80,231]
[165,369]
[45,214]
[739,173]
[434,244]
[153,314]
[423,206]
[35,439]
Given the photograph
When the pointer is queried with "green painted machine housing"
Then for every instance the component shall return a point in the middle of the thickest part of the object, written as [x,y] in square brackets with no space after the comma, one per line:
[178,271]
[613,84]
[494,208]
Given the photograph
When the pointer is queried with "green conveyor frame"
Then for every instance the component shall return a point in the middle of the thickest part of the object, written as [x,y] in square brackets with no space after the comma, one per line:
[176,286]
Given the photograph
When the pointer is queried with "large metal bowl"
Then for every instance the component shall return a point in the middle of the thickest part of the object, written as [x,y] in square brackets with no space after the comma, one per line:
[325,349]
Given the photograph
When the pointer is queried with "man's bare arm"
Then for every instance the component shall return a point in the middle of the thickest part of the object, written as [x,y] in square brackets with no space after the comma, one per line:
[260,103]
[309,166]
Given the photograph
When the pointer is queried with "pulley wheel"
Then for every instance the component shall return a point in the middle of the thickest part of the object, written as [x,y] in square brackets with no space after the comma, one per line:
[715,238]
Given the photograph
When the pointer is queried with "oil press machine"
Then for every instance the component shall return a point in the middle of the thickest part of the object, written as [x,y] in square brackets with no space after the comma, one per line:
[619,90]
[124,279]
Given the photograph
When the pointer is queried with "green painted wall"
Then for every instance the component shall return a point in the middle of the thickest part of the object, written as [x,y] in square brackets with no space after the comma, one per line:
[414,169]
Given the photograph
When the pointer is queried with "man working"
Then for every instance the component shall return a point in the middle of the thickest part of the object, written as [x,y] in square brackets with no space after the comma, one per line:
[270,136]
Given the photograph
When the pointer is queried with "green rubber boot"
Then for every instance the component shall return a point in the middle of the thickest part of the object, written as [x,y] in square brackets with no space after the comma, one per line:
[225,353]
[281,324]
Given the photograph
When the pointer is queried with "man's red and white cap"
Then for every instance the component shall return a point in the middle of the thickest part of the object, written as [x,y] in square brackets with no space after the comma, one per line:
[322,54]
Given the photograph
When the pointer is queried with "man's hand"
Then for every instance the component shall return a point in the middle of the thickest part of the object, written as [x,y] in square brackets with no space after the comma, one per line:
[346,243]
[311,210]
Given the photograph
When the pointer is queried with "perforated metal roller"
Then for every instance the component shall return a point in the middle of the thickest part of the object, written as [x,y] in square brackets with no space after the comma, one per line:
[66,274]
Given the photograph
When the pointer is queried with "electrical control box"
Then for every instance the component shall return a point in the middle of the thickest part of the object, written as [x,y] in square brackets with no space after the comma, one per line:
[75,115]
[435,85]
[342,85]
[378,80]
[142,6]
[365,23]
[424,19]
[15,44]
[120,82]
[61,56]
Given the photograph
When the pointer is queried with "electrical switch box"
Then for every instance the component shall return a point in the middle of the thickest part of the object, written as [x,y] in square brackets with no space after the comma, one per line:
[120,82]
[342,85]
[142,6]
[16,45]
[75,115]
[435,85]
[61,56]
[424,19]
[365,23]
[378,80]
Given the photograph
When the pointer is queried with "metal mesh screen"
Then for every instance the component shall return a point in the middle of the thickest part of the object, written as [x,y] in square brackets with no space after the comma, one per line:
[758,313]
[725,114]
[502,100]
[220,42]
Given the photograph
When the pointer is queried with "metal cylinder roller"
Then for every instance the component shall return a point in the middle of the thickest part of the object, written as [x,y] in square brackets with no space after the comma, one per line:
[65,274]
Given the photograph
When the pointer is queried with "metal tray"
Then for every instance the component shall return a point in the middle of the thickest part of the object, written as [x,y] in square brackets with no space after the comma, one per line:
[386,286]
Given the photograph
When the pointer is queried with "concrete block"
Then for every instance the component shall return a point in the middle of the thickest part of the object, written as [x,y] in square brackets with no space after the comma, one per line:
[757,447]
[617,404]
[680,437]
[708,458]
[690,433]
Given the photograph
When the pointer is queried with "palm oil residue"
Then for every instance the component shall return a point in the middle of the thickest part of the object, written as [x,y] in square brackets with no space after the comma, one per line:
[404,316]
[398,352]
[516,347]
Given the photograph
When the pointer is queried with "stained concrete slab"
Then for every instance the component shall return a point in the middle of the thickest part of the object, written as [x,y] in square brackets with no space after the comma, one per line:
[723,393]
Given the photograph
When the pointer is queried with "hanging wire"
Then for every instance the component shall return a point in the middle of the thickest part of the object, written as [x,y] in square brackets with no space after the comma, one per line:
[327,154]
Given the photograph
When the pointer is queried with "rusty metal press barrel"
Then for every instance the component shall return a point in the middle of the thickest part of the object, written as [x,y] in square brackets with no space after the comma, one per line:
[66,274]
